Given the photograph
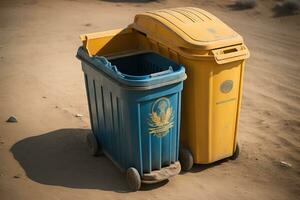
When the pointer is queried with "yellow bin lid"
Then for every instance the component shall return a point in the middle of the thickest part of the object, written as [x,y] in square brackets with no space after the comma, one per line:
[186,27]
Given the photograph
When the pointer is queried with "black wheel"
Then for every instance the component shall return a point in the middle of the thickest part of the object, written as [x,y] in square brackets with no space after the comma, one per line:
[186,159]
[92,144]
[236,152]
[133,179]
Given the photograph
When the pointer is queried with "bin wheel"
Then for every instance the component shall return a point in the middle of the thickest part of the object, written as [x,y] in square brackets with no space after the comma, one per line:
[133,179]
[186,159]
[92,144]
[236,152]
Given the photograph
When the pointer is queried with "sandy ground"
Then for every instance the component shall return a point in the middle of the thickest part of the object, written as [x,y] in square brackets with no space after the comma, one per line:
[44,156]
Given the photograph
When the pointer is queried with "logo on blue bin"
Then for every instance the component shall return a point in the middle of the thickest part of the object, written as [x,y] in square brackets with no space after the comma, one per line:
[161,117]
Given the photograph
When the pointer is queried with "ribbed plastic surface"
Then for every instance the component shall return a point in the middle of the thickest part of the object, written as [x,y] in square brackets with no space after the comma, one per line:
[135,128]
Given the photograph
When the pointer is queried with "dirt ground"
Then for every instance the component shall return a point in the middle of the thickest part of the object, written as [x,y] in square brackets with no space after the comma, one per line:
[44,156]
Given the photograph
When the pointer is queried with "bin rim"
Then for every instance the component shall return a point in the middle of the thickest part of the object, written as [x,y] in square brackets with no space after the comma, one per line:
[131,82]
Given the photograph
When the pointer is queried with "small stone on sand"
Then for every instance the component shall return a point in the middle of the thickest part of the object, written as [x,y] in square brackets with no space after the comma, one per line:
[285,164]
[12,119]
[78,115]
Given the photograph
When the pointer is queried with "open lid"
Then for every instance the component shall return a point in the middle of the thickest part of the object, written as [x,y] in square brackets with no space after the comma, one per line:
[186,27]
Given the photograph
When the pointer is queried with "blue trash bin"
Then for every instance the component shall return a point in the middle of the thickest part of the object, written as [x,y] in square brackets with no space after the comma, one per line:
[134,105]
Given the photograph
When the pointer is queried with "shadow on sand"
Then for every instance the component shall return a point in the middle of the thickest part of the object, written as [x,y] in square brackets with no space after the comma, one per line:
[237,7]
[202,167]
[61,158]
[131,1]
[285,10]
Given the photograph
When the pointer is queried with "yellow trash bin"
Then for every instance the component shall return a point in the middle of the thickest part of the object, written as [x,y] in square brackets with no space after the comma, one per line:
[214,56]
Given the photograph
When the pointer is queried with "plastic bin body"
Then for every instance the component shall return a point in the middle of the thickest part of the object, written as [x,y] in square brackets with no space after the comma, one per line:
[214,58]
[210,117]
[122,110]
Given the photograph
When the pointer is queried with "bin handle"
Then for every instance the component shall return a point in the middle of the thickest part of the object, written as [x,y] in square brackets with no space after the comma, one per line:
[103,61]
[108,65]
[170,70]
[230,54]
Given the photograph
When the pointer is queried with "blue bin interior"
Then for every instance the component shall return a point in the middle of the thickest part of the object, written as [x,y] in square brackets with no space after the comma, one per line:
[143,64]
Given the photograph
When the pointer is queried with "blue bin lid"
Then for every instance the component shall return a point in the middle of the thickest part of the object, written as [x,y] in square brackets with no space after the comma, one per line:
[154,80]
